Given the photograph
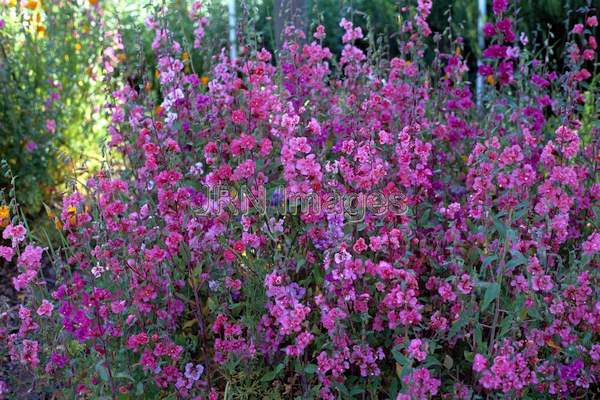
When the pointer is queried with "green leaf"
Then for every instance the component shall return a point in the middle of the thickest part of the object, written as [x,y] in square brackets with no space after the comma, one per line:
[401,359]
[310,369]
[490,294]
[488,260]
[534,313]
[448,362]
[124,375]
[478,334]
[431,361]
[500,227]
[269,376]
[102,371]
[518,259]
[469,356]
[458,325]
[357,390]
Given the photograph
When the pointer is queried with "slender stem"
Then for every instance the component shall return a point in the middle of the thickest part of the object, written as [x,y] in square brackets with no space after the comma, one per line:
[202,327]
[499,277]
[113,388]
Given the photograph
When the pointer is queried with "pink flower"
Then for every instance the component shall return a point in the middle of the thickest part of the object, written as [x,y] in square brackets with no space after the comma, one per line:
[465,285]
[31,258]
[421,385]
[117,306]
[135,341]
[592,21]
[21,281]
[578,29]
[45,309]
[592,245]
[244,171]
[30,146]
[16,233]
[351,32]
[6,253]
[479,363]
[29,354]
[445,290]
[360,245]
[238,117]
[50,125]
[319,33]
[417,349]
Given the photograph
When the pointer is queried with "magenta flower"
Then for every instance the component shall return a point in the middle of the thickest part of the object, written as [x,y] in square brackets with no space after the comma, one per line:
[499,6]
[479,363]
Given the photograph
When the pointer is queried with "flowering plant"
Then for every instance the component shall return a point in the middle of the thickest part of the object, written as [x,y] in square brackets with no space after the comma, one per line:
[48,85]
[483,283]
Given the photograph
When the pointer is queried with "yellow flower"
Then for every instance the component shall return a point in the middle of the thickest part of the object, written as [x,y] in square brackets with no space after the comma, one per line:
[4,212]
[185,56]
[77,47]
[12,3]
[72,212]
[41,30]
[204,80]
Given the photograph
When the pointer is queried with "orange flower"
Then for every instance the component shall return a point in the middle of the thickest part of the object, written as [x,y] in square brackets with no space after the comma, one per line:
[185,56]
[93,2]
[4,216]
[490,79]
[204,80]
[31,4]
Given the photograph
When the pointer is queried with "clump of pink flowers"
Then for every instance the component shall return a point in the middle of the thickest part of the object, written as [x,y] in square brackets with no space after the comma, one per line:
[483,283]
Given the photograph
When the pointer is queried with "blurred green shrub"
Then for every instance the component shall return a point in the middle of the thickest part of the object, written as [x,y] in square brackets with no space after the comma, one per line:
[49,53]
